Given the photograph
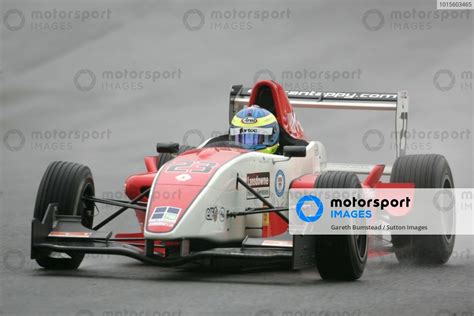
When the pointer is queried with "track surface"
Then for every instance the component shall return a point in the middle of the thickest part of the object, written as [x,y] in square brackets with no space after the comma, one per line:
[107,285]
[46,76]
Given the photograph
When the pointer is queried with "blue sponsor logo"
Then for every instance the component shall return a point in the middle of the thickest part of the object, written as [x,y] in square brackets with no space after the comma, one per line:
[310,202]
[280,183]
[168,213]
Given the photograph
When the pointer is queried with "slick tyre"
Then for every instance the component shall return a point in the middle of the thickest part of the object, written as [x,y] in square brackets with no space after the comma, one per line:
[425,171]
[340,257]
[65,183]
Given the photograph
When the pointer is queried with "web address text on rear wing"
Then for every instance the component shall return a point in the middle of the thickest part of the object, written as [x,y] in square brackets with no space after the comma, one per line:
[396,102]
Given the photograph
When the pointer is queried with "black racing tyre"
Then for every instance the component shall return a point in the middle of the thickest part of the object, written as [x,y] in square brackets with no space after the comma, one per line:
[340,257]
[65,183]
[425,171]
[165,157]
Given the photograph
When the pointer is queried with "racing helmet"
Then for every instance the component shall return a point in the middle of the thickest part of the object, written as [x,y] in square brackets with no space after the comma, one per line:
[255,128]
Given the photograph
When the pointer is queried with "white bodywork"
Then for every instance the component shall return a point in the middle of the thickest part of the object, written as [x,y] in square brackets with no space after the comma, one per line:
[222,193]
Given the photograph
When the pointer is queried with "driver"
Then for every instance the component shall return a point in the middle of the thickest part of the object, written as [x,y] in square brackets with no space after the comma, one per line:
[255,128]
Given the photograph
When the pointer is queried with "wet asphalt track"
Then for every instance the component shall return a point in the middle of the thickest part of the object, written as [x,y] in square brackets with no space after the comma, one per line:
[47,84]
[119,285]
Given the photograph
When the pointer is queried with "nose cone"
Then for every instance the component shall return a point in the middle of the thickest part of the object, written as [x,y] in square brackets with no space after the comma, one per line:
[179,183]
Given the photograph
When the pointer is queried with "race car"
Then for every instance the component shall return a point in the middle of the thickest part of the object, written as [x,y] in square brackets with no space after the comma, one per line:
[219,201]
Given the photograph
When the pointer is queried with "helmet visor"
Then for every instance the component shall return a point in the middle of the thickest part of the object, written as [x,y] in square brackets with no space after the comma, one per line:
[251,138]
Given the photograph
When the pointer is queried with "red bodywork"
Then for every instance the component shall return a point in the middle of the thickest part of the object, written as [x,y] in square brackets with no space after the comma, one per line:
[284,111]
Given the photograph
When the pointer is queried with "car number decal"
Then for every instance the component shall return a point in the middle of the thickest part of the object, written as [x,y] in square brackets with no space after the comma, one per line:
[186,166]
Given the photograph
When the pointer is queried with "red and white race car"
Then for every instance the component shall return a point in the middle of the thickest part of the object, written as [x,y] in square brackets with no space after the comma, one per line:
[221,201]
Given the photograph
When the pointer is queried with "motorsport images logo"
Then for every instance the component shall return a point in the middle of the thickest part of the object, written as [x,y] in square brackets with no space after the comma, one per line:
[123,79]
[307,204]
[233,19]
[356,208]
[412,19]
[373,211]
[53,19]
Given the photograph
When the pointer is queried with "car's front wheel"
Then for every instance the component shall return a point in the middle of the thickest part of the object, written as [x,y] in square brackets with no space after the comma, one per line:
[340,257]
[65,183]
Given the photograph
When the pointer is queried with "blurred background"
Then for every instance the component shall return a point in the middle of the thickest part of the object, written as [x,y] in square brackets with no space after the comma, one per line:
[100,82]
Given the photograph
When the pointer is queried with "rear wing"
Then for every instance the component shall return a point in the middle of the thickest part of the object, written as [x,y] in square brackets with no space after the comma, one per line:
[395,102]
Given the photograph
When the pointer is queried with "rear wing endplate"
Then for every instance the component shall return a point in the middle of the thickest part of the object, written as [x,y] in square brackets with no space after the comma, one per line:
[395,102]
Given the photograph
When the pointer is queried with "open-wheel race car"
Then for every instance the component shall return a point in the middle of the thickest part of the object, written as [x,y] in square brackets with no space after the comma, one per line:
[220,201]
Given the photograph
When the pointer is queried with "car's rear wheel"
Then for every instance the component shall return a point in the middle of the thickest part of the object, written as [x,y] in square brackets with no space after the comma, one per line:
[65,183]
[425,171]
[340,257]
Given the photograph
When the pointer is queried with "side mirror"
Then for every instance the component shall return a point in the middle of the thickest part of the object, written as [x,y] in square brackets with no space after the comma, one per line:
[170,148]
[294,151]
